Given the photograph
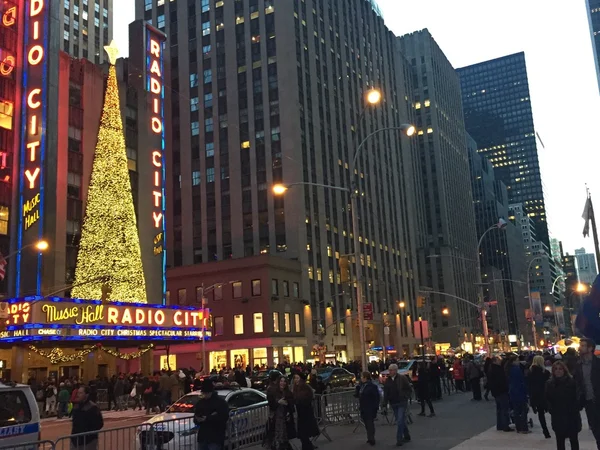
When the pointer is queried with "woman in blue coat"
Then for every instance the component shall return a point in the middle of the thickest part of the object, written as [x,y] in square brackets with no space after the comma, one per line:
[517,392]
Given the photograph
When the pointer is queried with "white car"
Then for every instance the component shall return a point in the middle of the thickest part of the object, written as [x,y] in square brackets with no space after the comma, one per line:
[175,428]
[404,368]
[19,416]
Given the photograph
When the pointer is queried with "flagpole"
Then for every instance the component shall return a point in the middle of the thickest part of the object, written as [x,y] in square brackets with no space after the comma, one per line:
[594,232]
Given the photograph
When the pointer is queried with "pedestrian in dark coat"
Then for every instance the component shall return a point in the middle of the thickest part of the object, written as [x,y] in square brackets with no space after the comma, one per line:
[369,399]
[423,388]
[536,382]
[86,419]
[280,427]
[498,385]
[563,402]
[211,414]
[517,391]
[307,423]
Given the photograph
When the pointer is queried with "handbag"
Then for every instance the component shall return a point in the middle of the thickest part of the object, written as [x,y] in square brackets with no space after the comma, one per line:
[133,392]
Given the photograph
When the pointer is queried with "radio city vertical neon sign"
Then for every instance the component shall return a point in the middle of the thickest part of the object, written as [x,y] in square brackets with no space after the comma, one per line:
[33,120]
[156,93]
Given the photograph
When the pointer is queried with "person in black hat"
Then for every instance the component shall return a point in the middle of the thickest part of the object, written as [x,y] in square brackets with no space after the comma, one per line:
[211,415]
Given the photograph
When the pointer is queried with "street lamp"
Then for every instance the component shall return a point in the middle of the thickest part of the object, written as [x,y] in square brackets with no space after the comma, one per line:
[445,311]
[279,189]
[40,246]
[500,225]
[374,96]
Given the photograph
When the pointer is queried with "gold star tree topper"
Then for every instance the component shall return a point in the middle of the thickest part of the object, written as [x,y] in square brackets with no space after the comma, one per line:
[112,51]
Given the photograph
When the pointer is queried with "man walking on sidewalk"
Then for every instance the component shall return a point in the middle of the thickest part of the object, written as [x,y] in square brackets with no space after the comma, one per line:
[396,392]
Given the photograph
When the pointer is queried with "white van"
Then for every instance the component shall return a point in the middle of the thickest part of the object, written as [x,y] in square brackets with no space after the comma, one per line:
[19,416]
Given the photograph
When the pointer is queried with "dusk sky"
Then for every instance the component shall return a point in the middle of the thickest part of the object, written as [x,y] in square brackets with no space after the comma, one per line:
[562,80]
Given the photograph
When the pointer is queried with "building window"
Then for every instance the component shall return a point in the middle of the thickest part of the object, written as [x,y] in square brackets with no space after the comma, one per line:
[194,104]
[218,292]
[195,178]
[218,327]
[238,324]
[210,149]
[297,322]
[286,322]
[286,288]
[193,80]
[181,294]
[296,289]
[210,175]
[207,76]
[237,289]
[255,288]
[258,323]
[274,287]
[275,322]
[4,220]
[342,327]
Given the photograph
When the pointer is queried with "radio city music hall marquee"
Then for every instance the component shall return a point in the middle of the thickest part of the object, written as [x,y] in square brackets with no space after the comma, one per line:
[74,319]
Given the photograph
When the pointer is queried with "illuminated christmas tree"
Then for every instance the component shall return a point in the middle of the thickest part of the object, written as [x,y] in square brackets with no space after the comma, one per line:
[109,263]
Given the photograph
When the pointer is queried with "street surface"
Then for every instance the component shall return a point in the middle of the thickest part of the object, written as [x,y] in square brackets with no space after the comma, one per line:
[460,424]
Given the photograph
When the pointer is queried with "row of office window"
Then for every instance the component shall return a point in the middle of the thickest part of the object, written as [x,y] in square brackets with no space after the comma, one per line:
[258,324]
[215,293]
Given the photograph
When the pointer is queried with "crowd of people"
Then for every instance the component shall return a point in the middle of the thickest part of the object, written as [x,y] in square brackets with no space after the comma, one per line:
[561,385]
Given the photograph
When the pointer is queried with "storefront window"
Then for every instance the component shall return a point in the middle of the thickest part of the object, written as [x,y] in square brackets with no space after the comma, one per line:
[239,358]
[286,322]
[258,322]
[298,354]
[288,354]
[218,360]
[260,356]
[297,324]
[172,362]
[275,322]
[238,324]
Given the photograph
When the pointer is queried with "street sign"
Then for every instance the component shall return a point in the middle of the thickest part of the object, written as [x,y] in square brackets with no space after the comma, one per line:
[421,326]
[368,311]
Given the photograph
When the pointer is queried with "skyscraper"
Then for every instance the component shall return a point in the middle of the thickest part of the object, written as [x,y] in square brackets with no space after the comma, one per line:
[266,92]
[448,245]
[593,9]
[86,27]
[586,266]
[502,250]
[498,116]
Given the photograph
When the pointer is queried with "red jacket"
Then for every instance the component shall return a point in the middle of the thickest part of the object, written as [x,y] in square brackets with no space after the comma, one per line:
[458,372]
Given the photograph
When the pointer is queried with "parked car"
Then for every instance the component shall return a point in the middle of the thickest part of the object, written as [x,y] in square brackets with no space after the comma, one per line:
[404,368]
[336,377]
[260,380]
[175,428]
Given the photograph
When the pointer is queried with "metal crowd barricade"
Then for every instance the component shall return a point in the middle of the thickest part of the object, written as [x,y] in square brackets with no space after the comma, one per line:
[102,400]
[123,438]
[247,427]
[38,445]
[338,408]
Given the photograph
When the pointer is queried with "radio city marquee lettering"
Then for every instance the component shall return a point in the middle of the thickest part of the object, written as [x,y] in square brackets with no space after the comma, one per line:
[34,112]
[154,73]
[78,319]
[8,59]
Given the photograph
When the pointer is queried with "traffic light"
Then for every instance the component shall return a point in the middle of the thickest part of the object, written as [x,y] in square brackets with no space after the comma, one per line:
[344,269]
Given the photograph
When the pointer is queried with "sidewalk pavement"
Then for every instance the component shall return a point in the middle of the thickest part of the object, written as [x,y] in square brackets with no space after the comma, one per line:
[459,424]
[492,439]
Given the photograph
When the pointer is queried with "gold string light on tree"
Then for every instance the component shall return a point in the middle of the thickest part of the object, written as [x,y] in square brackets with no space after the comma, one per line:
[126,356]
[109,261]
